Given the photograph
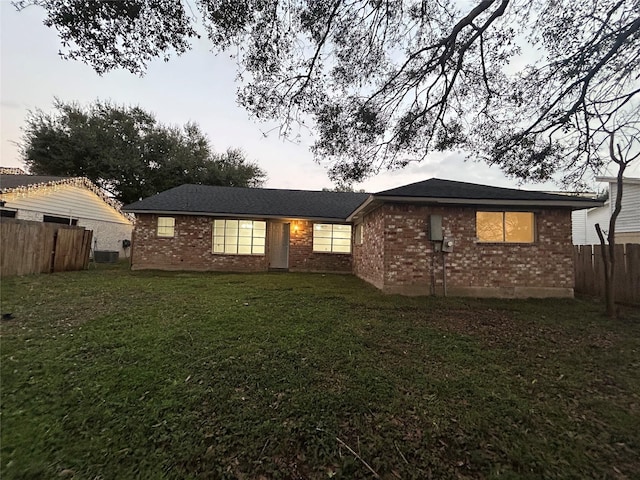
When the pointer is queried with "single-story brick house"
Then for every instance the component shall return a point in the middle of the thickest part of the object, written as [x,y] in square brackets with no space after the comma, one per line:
[431,237]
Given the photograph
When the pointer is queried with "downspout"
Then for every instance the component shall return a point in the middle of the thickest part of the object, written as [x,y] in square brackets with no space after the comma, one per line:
[444,273]
[433,269]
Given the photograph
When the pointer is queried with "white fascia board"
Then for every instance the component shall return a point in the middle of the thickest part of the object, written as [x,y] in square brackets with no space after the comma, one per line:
[625,180]
[363,207]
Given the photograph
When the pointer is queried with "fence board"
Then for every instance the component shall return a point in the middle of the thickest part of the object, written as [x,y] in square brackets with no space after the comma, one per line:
[598,271]
[86,251]
[33,247]
[6,232]
[620,283]
[633,269]
[578,278]
[589,272]
[585,264]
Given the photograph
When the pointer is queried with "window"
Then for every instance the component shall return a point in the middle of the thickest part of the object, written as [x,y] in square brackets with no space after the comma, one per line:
[331,238]
[509,227]
[166,226]
[60,220]
[239,237]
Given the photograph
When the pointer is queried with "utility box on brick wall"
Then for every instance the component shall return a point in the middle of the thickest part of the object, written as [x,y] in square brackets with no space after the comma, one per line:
[435,228]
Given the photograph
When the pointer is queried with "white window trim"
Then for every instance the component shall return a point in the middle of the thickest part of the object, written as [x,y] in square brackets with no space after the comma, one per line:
[171,227]
[332,239]
[253,238]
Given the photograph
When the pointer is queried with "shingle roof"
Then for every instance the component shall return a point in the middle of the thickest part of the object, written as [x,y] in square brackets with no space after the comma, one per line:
[13,181]
[449,192]
[449,189]
[213,200]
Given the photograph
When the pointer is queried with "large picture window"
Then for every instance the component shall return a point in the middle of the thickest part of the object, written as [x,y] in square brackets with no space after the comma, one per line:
[239,237]
[505,227]
[166,226]
[330,238]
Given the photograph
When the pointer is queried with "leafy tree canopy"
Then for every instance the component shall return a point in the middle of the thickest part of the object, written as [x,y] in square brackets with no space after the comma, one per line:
[517,82]
[127,152]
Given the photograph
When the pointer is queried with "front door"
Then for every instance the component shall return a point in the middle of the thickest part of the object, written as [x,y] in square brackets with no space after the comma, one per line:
[278,245]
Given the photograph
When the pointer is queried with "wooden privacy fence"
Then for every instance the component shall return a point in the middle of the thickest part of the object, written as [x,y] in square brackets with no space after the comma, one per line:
[589,271]
[34,247]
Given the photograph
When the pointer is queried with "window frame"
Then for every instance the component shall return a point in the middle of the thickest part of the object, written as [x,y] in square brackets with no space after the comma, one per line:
[160,229]
[504,240]
[332,238]
[359,233]
[59,220]
[260,245]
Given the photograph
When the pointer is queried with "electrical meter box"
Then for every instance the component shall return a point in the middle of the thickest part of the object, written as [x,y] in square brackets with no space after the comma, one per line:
[447,245]
[435,228]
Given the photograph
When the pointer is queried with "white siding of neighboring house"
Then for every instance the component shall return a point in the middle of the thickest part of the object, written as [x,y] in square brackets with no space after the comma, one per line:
[627,224]
[29,215]
[108,236]
[629,218]
[583,230]
[579,227]
[109,226]
[599,215]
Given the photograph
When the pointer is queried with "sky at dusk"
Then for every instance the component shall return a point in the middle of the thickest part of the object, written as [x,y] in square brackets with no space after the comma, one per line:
[197,86]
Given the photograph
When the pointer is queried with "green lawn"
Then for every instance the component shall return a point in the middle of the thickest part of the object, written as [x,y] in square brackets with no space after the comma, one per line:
[108,374]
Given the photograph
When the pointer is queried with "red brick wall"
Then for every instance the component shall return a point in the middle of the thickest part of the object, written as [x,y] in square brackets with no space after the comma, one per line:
[368,258]
[190,249]
[407,251]
[544,268]
[395,256]
[303,259]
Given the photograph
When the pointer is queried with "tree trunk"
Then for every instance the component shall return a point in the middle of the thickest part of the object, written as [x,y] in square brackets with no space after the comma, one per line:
[608,258]
[608,251]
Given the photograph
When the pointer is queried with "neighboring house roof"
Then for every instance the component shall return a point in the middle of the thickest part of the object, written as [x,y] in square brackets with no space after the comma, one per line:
[449,192]
[17,184]
[9,182]
[263,202]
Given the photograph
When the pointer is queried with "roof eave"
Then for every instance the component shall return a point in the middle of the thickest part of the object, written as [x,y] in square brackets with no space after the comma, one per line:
[368,204]
[378,199]
[237,215]
[625,180]
[579,204]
